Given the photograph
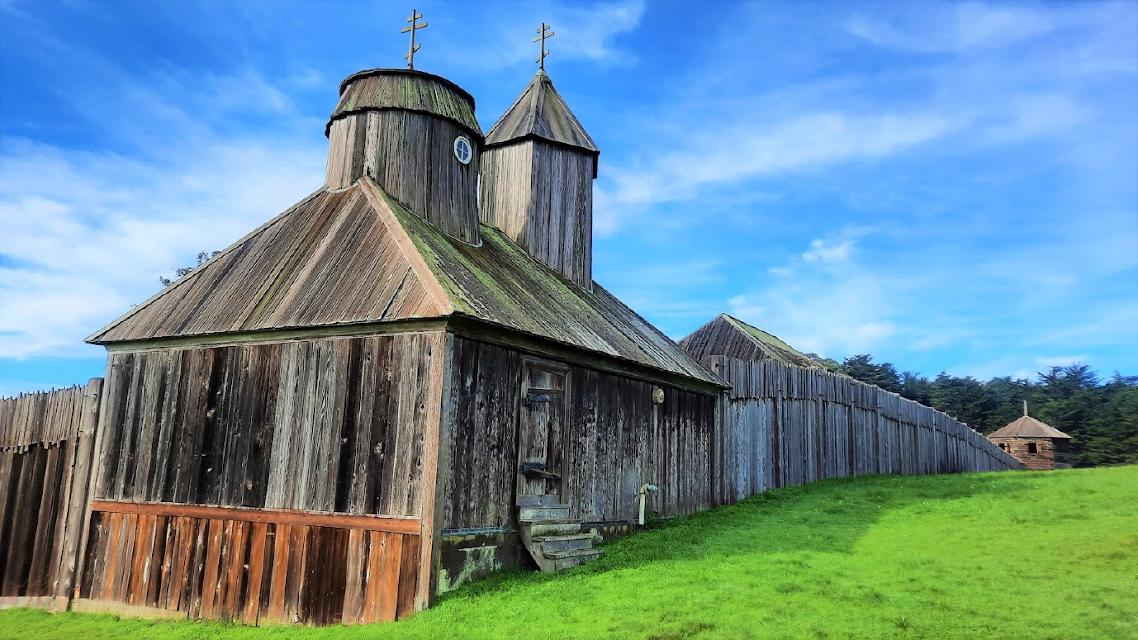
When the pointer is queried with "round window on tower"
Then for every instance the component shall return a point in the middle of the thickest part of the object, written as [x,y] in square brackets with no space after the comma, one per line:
[463,152]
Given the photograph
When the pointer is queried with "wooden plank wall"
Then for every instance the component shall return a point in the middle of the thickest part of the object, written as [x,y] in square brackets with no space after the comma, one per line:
[411,156]
[541,196]
[251,565]
[616,440]
[335,425]
[46,443]
[785,425]
[325,425]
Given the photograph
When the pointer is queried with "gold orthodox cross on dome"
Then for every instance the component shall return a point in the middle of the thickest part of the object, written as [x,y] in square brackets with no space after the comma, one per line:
[543,32]
[412,28]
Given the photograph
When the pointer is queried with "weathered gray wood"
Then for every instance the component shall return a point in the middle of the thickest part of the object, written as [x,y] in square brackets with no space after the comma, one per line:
[335,424]
[541,196]
[615,440]
[411,156]
[45,457]
[820,424]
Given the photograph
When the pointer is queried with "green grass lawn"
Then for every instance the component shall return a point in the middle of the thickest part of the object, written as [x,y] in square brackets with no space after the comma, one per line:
[996,555]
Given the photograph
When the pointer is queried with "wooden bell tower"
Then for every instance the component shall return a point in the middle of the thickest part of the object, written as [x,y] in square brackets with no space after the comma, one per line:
[537,178]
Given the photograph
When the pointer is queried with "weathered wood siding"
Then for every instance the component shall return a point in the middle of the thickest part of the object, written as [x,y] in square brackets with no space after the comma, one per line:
[785,425]
[541,196]
[478,486]
[618,440]
[253,566]
[411,156]
[46,442]
[324,425]
[615,440]
[336,425]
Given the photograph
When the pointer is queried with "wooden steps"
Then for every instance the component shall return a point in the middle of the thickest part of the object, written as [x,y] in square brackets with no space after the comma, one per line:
[553,539]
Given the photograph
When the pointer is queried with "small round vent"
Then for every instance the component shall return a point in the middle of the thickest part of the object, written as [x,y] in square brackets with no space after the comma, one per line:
[463,152]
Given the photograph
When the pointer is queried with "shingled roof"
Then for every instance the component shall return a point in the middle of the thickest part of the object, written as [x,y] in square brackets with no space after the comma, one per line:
[1028,427]
[729,336]
[357,256]
[541,113]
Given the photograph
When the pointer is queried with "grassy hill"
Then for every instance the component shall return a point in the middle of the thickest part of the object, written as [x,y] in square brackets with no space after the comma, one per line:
[996,555]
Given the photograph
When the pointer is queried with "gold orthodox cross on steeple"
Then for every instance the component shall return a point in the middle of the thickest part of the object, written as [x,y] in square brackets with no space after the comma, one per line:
[412,28]
[543,32]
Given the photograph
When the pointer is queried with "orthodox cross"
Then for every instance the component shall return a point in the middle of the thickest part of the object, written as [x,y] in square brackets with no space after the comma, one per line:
[542,33]
[412,28]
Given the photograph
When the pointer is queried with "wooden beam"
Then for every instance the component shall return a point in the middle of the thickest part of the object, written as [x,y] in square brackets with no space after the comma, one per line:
[437,460]
[282,335]
[275,516]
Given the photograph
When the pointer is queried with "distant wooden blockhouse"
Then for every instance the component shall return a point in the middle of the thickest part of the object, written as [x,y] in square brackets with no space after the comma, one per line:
[388,389]
[1038,445]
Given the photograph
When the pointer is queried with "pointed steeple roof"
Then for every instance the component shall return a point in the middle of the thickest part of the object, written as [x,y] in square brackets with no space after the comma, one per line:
[541,113]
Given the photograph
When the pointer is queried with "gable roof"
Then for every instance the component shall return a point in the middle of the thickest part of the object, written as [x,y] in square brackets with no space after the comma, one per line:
[541,113]
[1028,427]
[729,336]
[326,260]
[357,256]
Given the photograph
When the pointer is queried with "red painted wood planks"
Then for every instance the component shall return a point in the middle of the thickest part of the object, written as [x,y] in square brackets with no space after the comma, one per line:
[252,571]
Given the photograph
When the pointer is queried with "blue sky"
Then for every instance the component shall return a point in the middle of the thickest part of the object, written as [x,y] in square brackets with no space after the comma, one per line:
[947,186]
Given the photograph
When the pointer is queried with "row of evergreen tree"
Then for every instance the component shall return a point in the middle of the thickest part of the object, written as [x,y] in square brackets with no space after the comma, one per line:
[1100,415]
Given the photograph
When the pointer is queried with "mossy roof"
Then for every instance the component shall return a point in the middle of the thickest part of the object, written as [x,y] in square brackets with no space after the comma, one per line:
[378,89]
[357,256]
[499,283]
[729,336]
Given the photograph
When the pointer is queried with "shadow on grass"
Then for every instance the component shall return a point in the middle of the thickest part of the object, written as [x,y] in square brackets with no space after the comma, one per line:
[790,519]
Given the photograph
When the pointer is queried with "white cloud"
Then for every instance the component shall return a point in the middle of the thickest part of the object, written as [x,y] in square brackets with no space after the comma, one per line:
[84,235]
[818,308]
[85,232]
[712,156]
[1061,361]
[583,32]
[953,27]
[1032,115]
[828,251]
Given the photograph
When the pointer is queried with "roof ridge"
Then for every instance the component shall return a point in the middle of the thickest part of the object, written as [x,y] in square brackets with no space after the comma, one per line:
[374,194]
[505,114]
[748,325]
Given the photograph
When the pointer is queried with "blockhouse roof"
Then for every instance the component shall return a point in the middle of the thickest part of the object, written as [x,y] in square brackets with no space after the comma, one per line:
[357,256]
[1028,427]
[729,336]
[541,113]
[378,89]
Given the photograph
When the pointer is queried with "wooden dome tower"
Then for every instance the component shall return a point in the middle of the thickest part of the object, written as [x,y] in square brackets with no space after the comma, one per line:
[416,136]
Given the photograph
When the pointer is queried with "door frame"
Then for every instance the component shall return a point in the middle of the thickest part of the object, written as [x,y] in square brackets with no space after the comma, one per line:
[552,366]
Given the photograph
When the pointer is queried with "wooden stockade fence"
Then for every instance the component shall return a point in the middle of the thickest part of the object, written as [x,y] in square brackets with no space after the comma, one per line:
[256,562]
[784,425]
[46,444]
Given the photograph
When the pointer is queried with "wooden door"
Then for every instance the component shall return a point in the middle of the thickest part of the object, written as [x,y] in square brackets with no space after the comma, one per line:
[541,431]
